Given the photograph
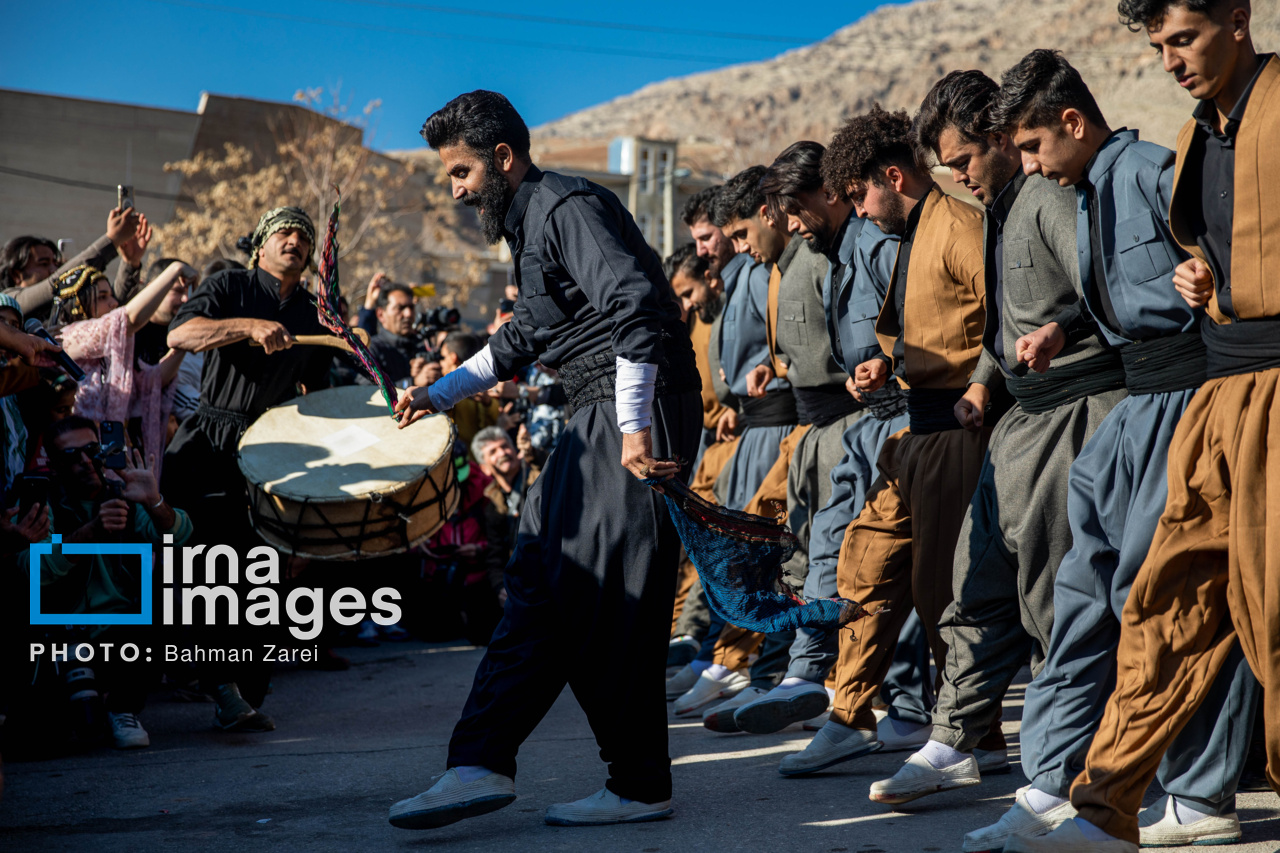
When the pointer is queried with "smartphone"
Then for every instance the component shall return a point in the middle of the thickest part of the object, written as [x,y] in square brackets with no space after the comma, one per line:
[63,245]
[124,196]
[112,440]
[32,490]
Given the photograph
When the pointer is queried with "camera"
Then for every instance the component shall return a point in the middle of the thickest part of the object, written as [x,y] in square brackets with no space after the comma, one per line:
[438,319]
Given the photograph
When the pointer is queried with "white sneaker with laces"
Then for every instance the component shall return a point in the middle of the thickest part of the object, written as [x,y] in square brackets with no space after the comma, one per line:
[918,778]
[721,718]
[894,742]
[1020,820]
[127,732]
[780,707]
[605,807]
[679,684]
[709,688]
[1067,838]
[450,800]
[832,745]
[1158,826]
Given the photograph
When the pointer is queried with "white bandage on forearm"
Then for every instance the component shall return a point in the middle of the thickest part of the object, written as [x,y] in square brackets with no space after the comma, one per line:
[634,395]
[473,376]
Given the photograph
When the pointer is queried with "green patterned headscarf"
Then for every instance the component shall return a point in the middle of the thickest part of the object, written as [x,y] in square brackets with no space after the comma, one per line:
[280,219]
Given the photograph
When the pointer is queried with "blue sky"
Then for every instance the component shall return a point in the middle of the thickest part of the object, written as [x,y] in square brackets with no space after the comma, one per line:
[165,52]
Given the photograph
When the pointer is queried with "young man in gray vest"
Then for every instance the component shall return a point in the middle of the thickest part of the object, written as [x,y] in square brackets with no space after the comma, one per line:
[1119,484]
[1015,533]
[595,305]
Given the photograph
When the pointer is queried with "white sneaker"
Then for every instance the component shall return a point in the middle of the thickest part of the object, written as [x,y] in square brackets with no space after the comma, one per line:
[830,746]
[894,742]
[918,778]
[1158,826]
[1067,838]
[679,684]
[450,800]
[127,732]
[781,707]
[720,718]
[816,724]
[708,689]
[992,762]
[1020,820]
[605,807]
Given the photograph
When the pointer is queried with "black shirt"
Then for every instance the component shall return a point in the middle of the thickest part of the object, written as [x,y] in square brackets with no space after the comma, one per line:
[602,285]
[242,378]
[900,288]
[150,344]
[393,352]
[1213,222]
[837,273]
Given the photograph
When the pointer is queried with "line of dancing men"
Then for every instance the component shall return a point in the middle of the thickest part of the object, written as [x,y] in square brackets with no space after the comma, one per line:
[1014,433]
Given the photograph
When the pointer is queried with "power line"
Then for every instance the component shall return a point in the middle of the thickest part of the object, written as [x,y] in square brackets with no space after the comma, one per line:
[580,22]
[89,185]
[570,48]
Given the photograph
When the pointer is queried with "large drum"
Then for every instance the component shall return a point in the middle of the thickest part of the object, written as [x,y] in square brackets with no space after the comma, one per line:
[331,477]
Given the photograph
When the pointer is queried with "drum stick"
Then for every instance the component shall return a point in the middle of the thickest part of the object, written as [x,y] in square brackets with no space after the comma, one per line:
[324,340]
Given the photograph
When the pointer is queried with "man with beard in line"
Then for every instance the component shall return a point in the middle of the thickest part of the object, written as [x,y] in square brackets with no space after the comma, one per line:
[900,549]
[593,539]
[1016,531]
[860,260]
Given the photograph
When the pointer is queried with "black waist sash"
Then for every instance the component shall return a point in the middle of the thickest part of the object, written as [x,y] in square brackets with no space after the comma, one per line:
[933,409]
[1172,363]
[887,403]
[593,378]
[825,404]
[1245,347]
[1043,392]
[777,408]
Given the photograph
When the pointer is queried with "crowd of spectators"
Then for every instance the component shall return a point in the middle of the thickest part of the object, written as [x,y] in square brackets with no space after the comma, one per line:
[92,395]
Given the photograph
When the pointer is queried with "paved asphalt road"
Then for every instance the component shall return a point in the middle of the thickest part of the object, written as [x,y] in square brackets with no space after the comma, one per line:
[351,743]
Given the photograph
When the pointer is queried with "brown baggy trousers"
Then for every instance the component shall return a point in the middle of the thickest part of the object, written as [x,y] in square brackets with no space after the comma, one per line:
[1212,576]
[736,645]
[900,551]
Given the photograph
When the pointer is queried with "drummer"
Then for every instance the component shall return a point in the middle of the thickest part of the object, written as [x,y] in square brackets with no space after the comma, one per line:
[593,539]
[263,304]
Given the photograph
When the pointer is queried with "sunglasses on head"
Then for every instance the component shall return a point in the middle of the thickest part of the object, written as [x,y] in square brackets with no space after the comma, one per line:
[92,449]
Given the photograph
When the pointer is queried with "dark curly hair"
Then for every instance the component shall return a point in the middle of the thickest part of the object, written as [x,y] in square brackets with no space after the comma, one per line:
[698,206]
[685,260]
[1034,93]
[1138,15]
[959,100]
[740,198]
[866,146]
[481,120]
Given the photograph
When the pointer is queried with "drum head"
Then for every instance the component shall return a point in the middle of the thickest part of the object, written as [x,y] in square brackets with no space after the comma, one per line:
[339,445]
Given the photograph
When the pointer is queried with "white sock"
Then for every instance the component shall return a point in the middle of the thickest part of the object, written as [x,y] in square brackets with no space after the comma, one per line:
[1040,802]
[835,732]
[939,755]
[470,773]
[902,728]
[717,671]
[699,666]
[1186,815]
[792,681]
[1091,832]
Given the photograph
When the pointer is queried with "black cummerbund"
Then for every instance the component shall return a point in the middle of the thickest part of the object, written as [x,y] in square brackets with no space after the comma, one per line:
[1172,363]
[1043,392]
[933,409]
[592,378]
[825,404]
[887,403]
[1245,347]
[777,408]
